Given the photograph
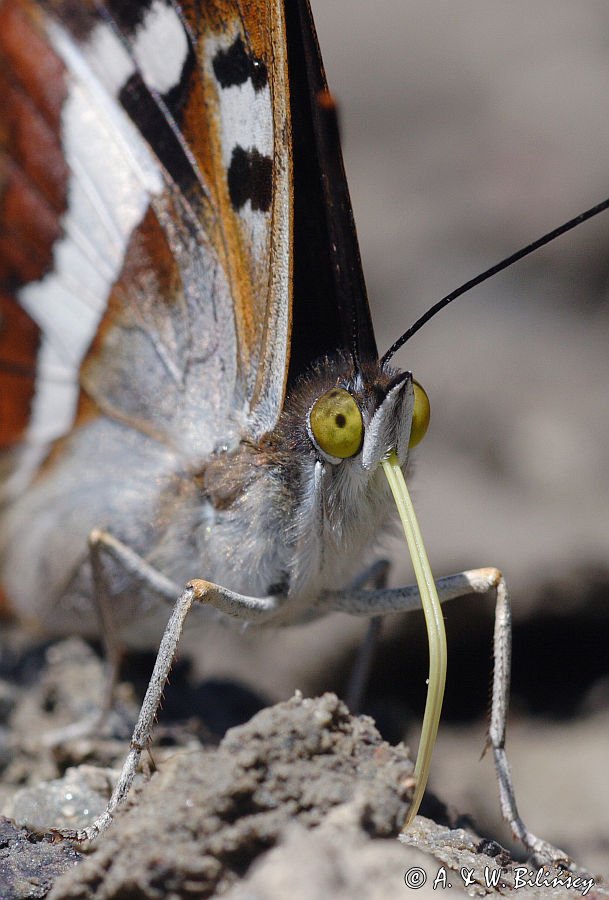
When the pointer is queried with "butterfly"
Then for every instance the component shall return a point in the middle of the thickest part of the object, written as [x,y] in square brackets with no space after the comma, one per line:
[190,379]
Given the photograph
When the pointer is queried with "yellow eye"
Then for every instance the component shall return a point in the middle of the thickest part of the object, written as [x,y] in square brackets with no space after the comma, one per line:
[336,424]
[420,415]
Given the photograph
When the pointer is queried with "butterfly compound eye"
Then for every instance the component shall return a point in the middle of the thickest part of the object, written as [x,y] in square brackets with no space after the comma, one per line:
[420,415]
[336,424]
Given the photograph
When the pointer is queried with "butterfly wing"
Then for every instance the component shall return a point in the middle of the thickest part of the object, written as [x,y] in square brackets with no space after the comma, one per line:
[145,251]
[330,305]
[148,275]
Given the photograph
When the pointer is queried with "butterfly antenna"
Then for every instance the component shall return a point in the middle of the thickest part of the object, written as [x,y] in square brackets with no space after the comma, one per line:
[498,267]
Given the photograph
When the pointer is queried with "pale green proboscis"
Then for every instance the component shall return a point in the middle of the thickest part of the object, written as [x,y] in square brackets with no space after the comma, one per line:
[435,630]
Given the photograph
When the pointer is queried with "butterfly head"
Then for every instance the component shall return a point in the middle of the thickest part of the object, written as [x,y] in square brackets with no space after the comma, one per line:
[338,424]
[347,417]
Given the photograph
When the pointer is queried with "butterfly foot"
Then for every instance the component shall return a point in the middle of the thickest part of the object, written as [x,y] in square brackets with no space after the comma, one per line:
[78,835]
[546,854]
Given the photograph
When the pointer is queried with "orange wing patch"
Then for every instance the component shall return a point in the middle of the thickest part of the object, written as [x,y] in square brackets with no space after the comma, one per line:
[243,145]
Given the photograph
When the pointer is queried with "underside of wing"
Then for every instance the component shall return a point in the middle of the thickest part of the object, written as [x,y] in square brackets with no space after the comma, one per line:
[145,218]
[33,202]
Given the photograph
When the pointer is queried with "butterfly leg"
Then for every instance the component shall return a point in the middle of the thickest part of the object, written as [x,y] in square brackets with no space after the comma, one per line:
[103,550]
[253,609]
[372,603]
[377,575]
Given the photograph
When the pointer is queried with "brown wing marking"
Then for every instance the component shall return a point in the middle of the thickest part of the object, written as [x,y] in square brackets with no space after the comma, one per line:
[33,181]
[140,319]
[19,341]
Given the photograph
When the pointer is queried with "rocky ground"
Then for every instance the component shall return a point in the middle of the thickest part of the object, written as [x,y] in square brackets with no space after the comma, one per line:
[303,799]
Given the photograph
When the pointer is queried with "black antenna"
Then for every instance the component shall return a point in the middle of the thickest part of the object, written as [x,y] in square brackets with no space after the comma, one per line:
[474,282]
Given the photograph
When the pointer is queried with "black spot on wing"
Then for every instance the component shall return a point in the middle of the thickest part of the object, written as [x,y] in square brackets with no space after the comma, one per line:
[250,177]
[235,66]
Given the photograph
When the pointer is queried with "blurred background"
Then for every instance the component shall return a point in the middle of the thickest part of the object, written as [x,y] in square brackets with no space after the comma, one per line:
[469,130]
